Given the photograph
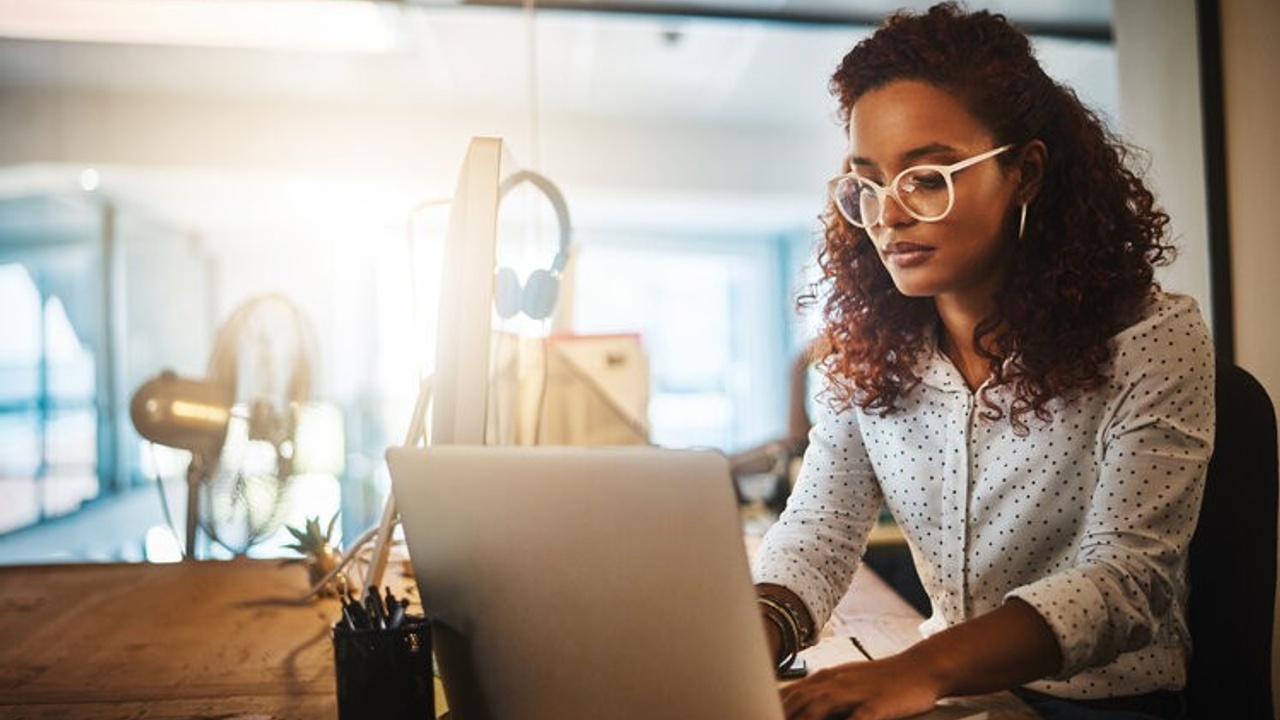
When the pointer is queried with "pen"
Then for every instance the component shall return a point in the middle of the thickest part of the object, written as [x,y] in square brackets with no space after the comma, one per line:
[347,618]
[397,613]
[373,606]
[359,618]
[861,649]
[363,621]
[344,597]
[392,606]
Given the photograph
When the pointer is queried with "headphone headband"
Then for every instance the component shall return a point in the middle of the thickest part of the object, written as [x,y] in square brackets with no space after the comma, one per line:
[558,204]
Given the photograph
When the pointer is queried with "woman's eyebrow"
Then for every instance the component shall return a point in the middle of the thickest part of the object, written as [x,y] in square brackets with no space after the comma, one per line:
[909,156]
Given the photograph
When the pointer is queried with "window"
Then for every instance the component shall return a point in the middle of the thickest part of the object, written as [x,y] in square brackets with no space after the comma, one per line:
[48,417]
[714,317]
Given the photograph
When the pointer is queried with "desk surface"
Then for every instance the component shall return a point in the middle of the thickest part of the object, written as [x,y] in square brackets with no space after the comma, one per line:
[230,640]
[190,640]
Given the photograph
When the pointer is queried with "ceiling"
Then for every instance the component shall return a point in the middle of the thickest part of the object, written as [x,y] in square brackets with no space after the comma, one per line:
[682,107]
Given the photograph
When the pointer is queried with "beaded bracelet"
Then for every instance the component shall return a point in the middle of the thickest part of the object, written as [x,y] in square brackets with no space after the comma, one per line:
[790,655]
[787,629]
[803,635]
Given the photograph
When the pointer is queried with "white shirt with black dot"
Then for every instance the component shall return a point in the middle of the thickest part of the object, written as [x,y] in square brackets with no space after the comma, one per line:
[1087,517]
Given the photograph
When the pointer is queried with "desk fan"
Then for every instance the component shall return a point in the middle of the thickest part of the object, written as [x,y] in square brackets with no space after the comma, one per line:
[239,422]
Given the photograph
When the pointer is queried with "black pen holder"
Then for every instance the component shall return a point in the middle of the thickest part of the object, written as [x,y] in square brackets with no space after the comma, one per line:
[385,674]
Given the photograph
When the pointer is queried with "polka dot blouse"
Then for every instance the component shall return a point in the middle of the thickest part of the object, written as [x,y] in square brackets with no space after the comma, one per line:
[1086,518]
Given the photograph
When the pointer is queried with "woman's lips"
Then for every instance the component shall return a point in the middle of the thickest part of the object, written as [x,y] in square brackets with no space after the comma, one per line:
[906,254]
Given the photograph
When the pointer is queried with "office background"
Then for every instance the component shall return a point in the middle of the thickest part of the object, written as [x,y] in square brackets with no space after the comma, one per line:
[148,186]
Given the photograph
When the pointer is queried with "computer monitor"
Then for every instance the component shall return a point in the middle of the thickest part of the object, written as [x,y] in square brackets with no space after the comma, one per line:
[459,388]
[460,383]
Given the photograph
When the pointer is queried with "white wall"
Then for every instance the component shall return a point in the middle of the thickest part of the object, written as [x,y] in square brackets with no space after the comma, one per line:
[1252,99]
[1160,113]
[1160,91]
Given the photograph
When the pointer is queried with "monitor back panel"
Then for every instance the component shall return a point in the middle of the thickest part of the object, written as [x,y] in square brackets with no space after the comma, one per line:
[585,582]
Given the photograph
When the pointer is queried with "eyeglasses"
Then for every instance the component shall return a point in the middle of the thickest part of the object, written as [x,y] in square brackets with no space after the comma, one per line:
[925,192]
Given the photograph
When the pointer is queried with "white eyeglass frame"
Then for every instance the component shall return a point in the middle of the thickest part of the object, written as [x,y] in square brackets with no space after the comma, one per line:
[882,192]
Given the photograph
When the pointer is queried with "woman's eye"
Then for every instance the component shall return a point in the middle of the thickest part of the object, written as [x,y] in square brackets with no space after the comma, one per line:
[866,188]
[923,180]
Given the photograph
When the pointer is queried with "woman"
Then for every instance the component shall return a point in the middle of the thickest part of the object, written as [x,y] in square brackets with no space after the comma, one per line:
[1003,373]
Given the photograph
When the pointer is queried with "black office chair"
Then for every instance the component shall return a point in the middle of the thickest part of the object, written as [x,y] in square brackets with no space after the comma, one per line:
[1233,558]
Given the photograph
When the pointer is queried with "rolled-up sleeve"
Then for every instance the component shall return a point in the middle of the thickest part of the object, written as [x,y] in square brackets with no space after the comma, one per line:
[1128,573]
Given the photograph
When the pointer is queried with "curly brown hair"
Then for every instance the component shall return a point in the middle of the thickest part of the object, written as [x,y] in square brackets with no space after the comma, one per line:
[1094,233]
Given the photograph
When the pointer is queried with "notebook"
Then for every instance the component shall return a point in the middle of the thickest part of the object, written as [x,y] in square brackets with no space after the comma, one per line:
[568,583]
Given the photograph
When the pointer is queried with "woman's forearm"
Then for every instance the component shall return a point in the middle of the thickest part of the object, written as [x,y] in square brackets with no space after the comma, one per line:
[1005,648]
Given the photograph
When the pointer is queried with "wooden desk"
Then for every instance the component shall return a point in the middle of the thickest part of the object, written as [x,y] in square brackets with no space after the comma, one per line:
[229,640]
[191,640]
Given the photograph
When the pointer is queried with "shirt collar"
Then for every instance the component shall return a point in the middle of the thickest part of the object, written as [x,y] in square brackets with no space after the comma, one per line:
[937,371]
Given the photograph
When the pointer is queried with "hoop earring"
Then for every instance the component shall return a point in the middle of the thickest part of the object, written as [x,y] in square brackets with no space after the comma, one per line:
[1022,221]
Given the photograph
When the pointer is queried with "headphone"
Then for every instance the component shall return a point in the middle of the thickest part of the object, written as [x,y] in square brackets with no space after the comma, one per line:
[536,297]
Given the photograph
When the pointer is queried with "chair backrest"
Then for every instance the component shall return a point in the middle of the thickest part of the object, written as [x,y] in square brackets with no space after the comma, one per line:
[1233,558]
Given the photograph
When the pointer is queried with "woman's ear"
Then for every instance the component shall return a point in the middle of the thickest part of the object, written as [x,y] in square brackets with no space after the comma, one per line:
[1031,165]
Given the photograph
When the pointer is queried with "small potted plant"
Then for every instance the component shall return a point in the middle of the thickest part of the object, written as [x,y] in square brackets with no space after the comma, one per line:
[318,555]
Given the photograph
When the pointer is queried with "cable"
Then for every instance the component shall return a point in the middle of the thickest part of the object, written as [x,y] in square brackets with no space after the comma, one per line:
[164,498]
[531,32]
[415,296]
[542,393]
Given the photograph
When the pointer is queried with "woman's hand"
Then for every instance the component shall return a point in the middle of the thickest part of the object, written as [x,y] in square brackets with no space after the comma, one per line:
[893,687]
[1006,647]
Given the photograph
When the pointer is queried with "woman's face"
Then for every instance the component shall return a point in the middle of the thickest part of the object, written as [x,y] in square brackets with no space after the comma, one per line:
[905,124]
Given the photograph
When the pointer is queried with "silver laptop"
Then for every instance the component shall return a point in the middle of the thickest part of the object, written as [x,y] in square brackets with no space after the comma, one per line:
[570,583]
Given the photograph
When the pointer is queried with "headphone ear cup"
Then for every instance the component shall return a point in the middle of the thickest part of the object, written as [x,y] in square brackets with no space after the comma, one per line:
[506,293]
[540,292]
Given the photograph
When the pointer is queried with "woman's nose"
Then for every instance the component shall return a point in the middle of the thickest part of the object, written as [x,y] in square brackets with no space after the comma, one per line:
[892,214]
